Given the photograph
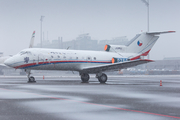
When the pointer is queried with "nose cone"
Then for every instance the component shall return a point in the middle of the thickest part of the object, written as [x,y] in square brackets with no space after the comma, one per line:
[8,62]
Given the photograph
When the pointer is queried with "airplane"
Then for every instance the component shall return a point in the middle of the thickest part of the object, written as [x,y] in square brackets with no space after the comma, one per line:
[86,62]
[2,65]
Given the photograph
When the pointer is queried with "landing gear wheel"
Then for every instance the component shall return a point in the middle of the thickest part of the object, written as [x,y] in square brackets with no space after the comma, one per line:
[102,78]
[31,80]
[85,77]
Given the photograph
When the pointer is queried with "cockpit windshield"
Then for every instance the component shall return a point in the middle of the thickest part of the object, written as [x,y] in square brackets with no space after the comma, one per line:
[25,52]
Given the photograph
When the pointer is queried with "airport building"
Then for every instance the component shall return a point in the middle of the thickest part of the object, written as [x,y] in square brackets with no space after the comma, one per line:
[82,42]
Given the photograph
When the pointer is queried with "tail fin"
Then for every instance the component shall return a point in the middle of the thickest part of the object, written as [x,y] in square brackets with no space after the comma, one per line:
[141,44]
[32,40]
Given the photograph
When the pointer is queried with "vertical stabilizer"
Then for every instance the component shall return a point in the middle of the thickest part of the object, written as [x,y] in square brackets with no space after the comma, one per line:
[143,43]
[139,46]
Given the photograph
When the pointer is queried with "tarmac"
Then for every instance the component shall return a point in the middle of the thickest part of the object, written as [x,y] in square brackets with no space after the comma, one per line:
[66,98]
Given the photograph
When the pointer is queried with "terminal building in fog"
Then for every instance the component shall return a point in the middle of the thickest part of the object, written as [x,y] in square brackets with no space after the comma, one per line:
[82,42]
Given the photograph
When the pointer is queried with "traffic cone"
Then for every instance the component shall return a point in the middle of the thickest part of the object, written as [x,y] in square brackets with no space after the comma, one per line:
[160,82]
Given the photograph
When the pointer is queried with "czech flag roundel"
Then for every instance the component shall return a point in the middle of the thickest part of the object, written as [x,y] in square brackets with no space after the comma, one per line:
[139,43]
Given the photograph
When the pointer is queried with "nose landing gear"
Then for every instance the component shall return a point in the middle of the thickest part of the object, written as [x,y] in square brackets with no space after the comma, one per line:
[31,79]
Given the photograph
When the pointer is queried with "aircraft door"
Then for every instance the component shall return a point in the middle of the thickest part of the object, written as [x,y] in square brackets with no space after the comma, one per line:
[35,59]
[40,59]
[47,59]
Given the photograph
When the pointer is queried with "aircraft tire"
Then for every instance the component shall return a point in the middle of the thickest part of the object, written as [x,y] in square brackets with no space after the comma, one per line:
[102,78]
[85,77]
[31,80]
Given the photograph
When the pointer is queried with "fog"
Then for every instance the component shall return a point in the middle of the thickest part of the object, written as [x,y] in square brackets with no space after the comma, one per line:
[102,19]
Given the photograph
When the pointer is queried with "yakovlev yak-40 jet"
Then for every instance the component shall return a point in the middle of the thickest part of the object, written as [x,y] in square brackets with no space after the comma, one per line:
[114,57]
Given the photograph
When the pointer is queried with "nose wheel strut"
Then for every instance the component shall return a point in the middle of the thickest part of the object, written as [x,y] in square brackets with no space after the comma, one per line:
[31,79]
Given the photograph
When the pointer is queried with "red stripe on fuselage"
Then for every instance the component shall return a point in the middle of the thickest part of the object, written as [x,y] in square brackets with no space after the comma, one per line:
[25,65]
[43,63]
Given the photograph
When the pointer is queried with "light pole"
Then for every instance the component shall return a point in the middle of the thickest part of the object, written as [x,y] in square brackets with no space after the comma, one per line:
[41,19]
[147,4]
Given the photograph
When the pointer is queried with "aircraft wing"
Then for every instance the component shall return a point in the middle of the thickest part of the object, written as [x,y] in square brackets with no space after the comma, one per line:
[114,66]
[2,65]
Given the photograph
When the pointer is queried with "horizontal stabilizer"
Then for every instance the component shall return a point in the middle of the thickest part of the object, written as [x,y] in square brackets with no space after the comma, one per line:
[158,33]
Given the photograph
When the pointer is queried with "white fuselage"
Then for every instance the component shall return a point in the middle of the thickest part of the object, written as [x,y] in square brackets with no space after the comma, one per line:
[60,59]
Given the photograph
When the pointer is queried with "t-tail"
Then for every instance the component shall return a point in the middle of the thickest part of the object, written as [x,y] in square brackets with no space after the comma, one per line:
[140,45]
[32,40]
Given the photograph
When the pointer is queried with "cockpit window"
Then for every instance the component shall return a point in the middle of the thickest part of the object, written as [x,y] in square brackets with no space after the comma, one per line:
[22,53]
[25,52]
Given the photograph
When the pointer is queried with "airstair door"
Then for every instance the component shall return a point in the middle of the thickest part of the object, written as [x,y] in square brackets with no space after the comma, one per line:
[40,59]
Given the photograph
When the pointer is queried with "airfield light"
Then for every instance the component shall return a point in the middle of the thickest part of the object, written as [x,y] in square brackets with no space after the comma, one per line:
[147,4]
[42,17]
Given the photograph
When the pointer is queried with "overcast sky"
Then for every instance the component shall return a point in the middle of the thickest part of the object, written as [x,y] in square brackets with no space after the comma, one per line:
[102,19]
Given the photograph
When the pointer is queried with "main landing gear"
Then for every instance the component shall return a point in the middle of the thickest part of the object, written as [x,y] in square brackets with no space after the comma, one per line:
[100,76]
[31,79]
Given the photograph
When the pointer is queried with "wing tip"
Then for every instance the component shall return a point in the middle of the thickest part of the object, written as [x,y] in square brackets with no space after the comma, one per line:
[171,31]
[148,60]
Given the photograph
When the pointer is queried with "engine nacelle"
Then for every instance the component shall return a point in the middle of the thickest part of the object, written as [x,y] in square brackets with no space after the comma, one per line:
[116,60]
[115,48]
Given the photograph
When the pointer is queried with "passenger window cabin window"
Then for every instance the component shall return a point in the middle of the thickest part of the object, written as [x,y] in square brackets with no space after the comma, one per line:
[76,58]
[51,56]
[58,56]
[94,58]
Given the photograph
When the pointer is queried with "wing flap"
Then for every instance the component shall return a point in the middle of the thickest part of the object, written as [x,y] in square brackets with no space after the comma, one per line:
[114,66]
